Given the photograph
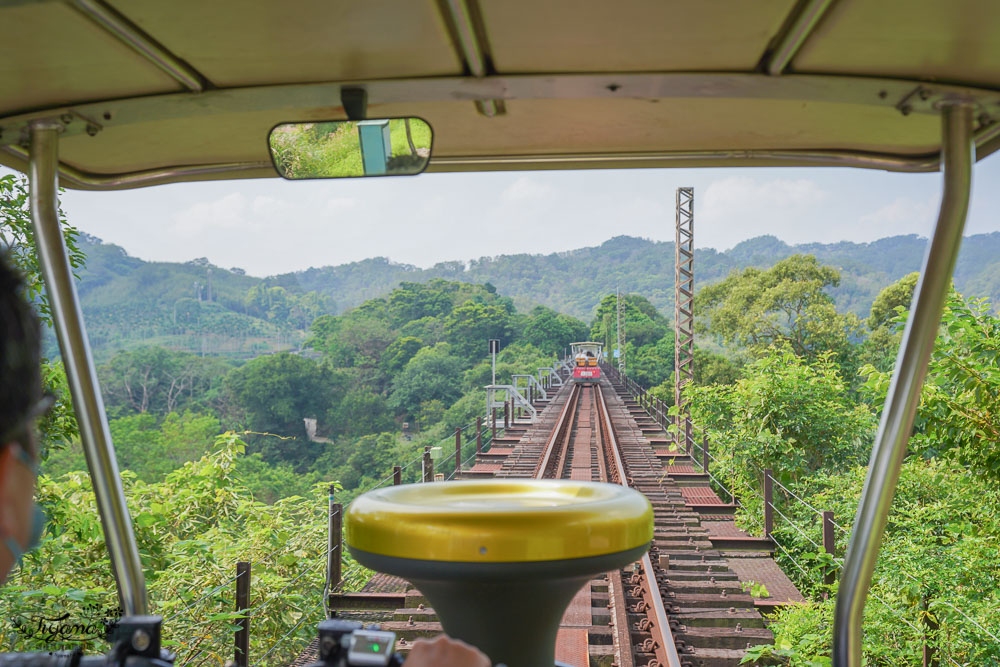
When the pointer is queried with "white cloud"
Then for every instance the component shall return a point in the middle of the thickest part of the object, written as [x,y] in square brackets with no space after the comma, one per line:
[525,188]
[339,205]
[739,195]
[737,208]
[228,212]
[903,211]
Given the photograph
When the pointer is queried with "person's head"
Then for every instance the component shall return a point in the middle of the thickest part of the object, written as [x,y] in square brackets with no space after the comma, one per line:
[21,401]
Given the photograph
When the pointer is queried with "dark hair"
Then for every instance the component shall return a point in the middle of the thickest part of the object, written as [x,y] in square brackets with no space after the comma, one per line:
[20,355]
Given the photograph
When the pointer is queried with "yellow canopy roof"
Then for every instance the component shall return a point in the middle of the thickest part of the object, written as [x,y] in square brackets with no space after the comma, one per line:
[152,91]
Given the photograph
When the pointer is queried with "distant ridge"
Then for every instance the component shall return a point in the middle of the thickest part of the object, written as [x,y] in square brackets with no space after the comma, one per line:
[128,301]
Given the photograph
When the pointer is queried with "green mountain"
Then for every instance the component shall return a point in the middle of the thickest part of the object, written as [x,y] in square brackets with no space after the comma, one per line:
[573,282]
[202,308]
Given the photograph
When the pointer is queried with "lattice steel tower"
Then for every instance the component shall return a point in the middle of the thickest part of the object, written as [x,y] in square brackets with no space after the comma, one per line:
[684,310]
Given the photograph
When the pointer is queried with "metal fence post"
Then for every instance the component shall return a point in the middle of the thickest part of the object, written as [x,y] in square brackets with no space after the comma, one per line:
[479,435]
[493,424]
[333,556]
[829,543]
[397,475]
[428,465]
[704,453]
[506,416]
[242,653]
[458,452]
[768,503]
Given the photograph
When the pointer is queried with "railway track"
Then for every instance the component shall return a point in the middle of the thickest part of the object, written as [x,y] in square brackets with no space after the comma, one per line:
[682,604]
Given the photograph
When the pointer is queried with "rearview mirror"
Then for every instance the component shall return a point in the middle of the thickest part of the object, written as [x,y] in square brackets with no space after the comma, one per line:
[344,149]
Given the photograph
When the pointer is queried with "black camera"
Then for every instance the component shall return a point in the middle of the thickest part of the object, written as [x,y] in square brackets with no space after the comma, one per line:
[351,644]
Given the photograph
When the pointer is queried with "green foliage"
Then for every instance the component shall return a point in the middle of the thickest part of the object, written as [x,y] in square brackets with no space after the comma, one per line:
[431,375]
[937,558]
[469,326]
[642,324]
[276,393]
[897,295]
[787,413]
[785,304]
[794,414]
[17,239]
[552,332]
[154,379]
[958,414]
[276,304]
[17,243]
[191,528]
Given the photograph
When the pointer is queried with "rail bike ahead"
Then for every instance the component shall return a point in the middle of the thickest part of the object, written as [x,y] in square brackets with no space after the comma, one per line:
[587,357]
[110,95]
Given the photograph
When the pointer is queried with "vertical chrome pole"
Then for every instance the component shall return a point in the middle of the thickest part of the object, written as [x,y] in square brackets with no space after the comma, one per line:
[957,156]
[75,347]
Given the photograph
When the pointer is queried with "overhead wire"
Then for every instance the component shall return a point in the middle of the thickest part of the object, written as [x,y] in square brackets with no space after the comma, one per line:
[288,585]
[285,636]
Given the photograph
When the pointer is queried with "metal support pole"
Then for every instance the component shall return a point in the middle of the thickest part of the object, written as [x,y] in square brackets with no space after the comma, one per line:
[829,544]
[242,651]
[479,435]
[458,452]
[397,475]
[684,311]
[704,453]
[506,415]
[334,546]
[428,465]
[493,424]
[957,156]
[768,503]
[80,371]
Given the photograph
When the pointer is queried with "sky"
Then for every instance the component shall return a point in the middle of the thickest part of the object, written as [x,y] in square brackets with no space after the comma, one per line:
[270,226]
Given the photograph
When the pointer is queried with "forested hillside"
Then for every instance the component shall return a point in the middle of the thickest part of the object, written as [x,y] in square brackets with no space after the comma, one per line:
[205,309]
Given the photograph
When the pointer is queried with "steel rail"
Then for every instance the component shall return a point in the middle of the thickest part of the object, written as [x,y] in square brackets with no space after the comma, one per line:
[667,649]
[957,155]
[560,431]
[80,370]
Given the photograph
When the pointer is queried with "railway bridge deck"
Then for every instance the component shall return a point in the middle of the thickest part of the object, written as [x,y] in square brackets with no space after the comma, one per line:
[702,564]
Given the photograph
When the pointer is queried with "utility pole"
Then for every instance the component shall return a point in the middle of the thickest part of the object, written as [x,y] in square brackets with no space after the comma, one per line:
[618,309]
[684,309]
[494,348]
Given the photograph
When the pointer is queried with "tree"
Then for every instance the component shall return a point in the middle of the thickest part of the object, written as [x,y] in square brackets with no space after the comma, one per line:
[551,331]
[469,326]
[785,304]
[154,379]
[275,393]
[399,353]
[881,346]
[360,413]
[151,449]
[897,295]
[432,374]
[788,413]
[641,322]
